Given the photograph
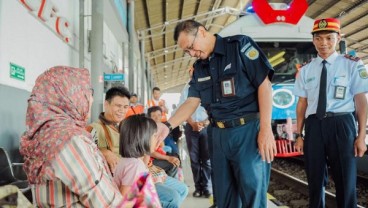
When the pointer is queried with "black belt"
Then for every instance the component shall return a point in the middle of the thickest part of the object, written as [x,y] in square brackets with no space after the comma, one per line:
[329,114]
[234,122]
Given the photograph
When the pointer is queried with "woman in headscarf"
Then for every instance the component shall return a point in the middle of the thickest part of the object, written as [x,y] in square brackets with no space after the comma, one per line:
[61,159]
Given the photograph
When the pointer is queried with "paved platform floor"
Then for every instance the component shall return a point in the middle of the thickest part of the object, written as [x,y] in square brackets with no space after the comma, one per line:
[190,201]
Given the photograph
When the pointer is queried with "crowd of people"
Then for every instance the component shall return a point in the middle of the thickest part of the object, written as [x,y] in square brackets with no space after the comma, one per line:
[128,158]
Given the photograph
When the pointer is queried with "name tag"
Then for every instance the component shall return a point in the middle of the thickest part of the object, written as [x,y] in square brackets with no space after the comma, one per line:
[340,92]
[228,88]
[204,79]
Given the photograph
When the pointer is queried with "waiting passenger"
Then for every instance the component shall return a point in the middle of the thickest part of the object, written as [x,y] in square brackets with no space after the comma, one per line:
[135,107]
[61,159]
[138,136]
[116,106]
[137,140]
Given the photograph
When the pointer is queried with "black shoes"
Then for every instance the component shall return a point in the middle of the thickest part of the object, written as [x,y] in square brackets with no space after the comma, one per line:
[206,194]
[197,193]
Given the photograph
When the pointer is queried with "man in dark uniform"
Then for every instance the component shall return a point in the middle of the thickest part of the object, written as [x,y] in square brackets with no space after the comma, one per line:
[330,88]
[228,78]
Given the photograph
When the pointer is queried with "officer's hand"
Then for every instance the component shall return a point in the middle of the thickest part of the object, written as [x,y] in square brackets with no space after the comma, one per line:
[266,144]
[200,126]
[359,146]
[299,144]
[194,126]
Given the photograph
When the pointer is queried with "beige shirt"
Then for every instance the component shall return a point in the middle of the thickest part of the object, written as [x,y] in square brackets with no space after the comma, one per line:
[102,140]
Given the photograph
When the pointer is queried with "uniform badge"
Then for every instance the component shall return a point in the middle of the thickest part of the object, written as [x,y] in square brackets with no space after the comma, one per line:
[322,24]
[340,92]
[252,53]
[227,87]
[363,73]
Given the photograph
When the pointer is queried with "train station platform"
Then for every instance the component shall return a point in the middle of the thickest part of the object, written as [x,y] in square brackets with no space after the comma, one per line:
[192,202]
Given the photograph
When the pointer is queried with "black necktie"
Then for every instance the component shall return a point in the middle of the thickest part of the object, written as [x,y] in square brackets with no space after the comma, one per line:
[322,98]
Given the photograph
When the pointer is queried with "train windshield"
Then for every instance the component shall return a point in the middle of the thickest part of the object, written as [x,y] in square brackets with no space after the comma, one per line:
[287,57]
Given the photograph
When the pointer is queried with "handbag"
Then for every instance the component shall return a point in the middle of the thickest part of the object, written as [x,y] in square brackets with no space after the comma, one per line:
[142,194]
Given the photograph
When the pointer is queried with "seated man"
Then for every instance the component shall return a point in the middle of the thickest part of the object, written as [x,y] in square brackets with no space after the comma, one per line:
[116,105]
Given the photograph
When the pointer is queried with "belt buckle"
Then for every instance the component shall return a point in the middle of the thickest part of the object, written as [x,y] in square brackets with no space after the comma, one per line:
[220,124]
[325,116]
[242,121]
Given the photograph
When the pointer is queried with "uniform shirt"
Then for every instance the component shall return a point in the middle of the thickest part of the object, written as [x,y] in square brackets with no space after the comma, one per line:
[135,110]
[78,177]
[200,114]
[342,71]
[238,58]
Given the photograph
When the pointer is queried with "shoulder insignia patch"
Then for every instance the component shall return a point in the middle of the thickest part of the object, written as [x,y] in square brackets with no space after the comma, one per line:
[353,58]
[363,73]
[252,53]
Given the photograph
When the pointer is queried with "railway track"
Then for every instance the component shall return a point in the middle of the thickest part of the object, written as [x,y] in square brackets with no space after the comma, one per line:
[289,187]
[300,186]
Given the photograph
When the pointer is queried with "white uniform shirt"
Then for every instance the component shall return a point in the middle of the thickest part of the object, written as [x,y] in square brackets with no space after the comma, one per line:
[342,73]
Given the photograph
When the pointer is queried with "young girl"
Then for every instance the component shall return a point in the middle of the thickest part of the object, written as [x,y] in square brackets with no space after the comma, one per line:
[139,137]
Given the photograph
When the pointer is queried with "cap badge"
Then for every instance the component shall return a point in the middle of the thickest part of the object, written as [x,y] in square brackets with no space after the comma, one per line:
[322,24]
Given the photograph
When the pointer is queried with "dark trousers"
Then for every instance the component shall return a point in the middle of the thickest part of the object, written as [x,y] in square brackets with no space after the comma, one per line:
[199,157]
[210,150]
[170,169]
[331,141]
[241,177]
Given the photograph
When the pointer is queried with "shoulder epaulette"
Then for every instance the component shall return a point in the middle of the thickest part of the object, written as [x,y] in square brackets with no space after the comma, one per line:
[235,38]
[353,58]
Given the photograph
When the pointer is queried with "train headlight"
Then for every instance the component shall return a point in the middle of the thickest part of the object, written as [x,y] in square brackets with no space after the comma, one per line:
[283,98]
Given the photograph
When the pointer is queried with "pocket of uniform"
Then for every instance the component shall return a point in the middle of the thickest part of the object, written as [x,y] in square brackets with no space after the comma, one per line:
[312,90]
[340,87]
[340,81]
[205,90]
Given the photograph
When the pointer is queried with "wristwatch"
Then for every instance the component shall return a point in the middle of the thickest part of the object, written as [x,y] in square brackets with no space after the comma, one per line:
[169,126]
[297,135]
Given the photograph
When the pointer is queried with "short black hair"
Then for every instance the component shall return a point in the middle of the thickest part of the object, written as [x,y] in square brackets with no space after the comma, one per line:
[156,88]
[153,109]
[135,136]
[188,26]
[117,91]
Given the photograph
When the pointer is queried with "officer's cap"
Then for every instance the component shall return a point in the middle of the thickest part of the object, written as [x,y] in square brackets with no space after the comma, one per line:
[327,24]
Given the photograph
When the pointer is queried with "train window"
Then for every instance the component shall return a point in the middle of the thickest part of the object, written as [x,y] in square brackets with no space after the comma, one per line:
[287,57]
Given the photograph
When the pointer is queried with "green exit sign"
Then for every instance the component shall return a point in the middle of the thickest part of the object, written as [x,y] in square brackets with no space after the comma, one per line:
[17,72]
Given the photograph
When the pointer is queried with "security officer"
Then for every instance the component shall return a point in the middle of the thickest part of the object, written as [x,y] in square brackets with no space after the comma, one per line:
[327,88]
[228,77]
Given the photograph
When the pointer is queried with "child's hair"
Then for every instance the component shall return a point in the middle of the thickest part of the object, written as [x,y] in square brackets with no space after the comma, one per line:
[135,136]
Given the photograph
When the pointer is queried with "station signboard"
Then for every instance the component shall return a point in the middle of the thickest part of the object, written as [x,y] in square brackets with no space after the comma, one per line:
[17,72]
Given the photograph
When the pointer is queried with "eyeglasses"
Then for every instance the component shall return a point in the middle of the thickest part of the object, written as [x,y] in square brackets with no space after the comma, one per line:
[187,51]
